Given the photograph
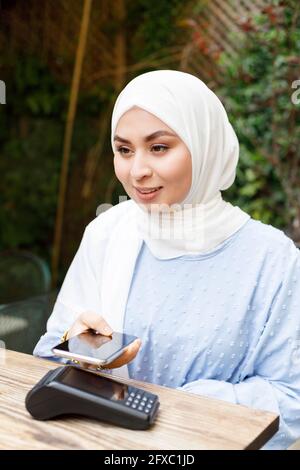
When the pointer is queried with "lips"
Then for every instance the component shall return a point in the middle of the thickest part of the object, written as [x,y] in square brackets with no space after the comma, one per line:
[148,190]
[149,195]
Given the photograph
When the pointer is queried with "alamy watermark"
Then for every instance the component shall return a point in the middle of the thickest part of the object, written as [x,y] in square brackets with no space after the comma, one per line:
[2,352]
[296,349]
[2,92]
[296,95]
[163,221]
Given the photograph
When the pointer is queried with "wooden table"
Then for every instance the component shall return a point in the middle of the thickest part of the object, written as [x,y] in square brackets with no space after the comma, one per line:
[185,421]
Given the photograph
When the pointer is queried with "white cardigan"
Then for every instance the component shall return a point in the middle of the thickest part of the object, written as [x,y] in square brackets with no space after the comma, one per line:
[100,274]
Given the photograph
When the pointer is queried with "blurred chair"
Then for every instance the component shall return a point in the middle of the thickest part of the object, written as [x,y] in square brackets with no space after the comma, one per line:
[25,299]
[22,323]
[22,275]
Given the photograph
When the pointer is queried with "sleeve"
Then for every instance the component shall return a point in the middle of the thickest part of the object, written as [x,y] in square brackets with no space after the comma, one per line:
[273,383]
[51,338]
[80,291]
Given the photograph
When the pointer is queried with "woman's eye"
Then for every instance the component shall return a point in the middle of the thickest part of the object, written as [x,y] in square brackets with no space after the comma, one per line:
[159,148]
[123,150]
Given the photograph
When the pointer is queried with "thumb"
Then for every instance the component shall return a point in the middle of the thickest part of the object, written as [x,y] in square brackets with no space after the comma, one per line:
[96,322]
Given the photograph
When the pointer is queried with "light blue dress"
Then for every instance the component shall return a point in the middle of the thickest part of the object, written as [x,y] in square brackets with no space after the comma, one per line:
[225,324]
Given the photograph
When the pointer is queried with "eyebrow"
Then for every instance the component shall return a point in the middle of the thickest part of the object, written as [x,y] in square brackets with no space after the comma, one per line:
[147,138]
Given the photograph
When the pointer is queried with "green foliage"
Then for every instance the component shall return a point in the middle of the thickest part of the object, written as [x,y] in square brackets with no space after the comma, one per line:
[32,127]
[31,143]
[153,26]
[257,190]
[29,169]
[257,93]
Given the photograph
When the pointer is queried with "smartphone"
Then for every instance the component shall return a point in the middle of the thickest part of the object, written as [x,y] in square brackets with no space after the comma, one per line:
[94,348]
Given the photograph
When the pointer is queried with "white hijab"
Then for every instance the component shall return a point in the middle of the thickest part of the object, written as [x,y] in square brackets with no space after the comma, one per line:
[203,220]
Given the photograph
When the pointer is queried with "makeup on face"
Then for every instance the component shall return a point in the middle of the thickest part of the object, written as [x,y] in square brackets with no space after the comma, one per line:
[151,161]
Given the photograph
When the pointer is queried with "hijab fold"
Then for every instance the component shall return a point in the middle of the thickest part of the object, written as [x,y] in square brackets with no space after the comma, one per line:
[203,220]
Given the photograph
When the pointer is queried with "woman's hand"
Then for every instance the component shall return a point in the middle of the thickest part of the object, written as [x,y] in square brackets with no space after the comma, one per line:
[91,320]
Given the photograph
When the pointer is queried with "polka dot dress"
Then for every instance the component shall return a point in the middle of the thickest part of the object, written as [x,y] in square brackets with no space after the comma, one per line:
[219,317]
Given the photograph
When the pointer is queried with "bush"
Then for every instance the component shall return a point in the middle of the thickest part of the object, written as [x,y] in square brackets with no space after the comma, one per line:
[257,93]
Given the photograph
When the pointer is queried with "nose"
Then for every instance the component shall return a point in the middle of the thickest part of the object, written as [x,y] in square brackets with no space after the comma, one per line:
[140,166]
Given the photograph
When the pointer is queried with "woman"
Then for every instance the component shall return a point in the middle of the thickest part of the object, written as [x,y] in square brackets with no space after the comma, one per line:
[212,294]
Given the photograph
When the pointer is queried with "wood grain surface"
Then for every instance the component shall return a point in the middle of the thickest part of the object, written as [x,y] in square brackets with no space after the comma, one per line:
[185,420]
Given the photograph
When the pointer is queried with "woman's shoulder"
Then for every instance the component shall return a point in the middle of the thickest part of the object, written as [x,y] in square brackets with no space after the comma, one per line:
[270,238]
[110,216]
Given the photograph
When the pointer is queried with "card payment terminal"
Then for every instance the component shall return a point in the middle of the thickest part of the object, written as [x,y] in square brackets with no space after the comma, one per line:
[71,390]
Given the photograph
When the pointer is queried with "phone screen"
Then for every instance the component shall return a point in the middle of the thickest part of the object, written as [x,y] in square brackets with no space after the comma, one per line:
[97,346]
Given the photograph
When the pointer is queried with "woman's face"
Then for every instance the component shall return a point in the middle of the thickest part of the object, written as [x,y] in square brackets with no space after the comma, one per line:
[147,155]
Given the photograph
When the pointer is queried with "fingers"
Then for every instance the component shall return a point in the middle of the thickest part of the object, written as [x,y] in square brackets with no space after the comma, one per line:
[86,365]
[87,321]
[128,355]
[96,322]
[92,320]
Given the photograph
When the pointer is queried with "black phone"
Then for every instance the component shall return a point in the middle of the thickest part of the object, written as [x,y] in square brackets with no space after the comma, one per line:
[94,348]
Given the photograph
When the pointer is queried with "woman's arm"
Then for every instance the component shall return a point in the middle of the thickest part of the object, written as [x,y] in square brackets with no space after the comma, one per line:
[44,347]
[79,293]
